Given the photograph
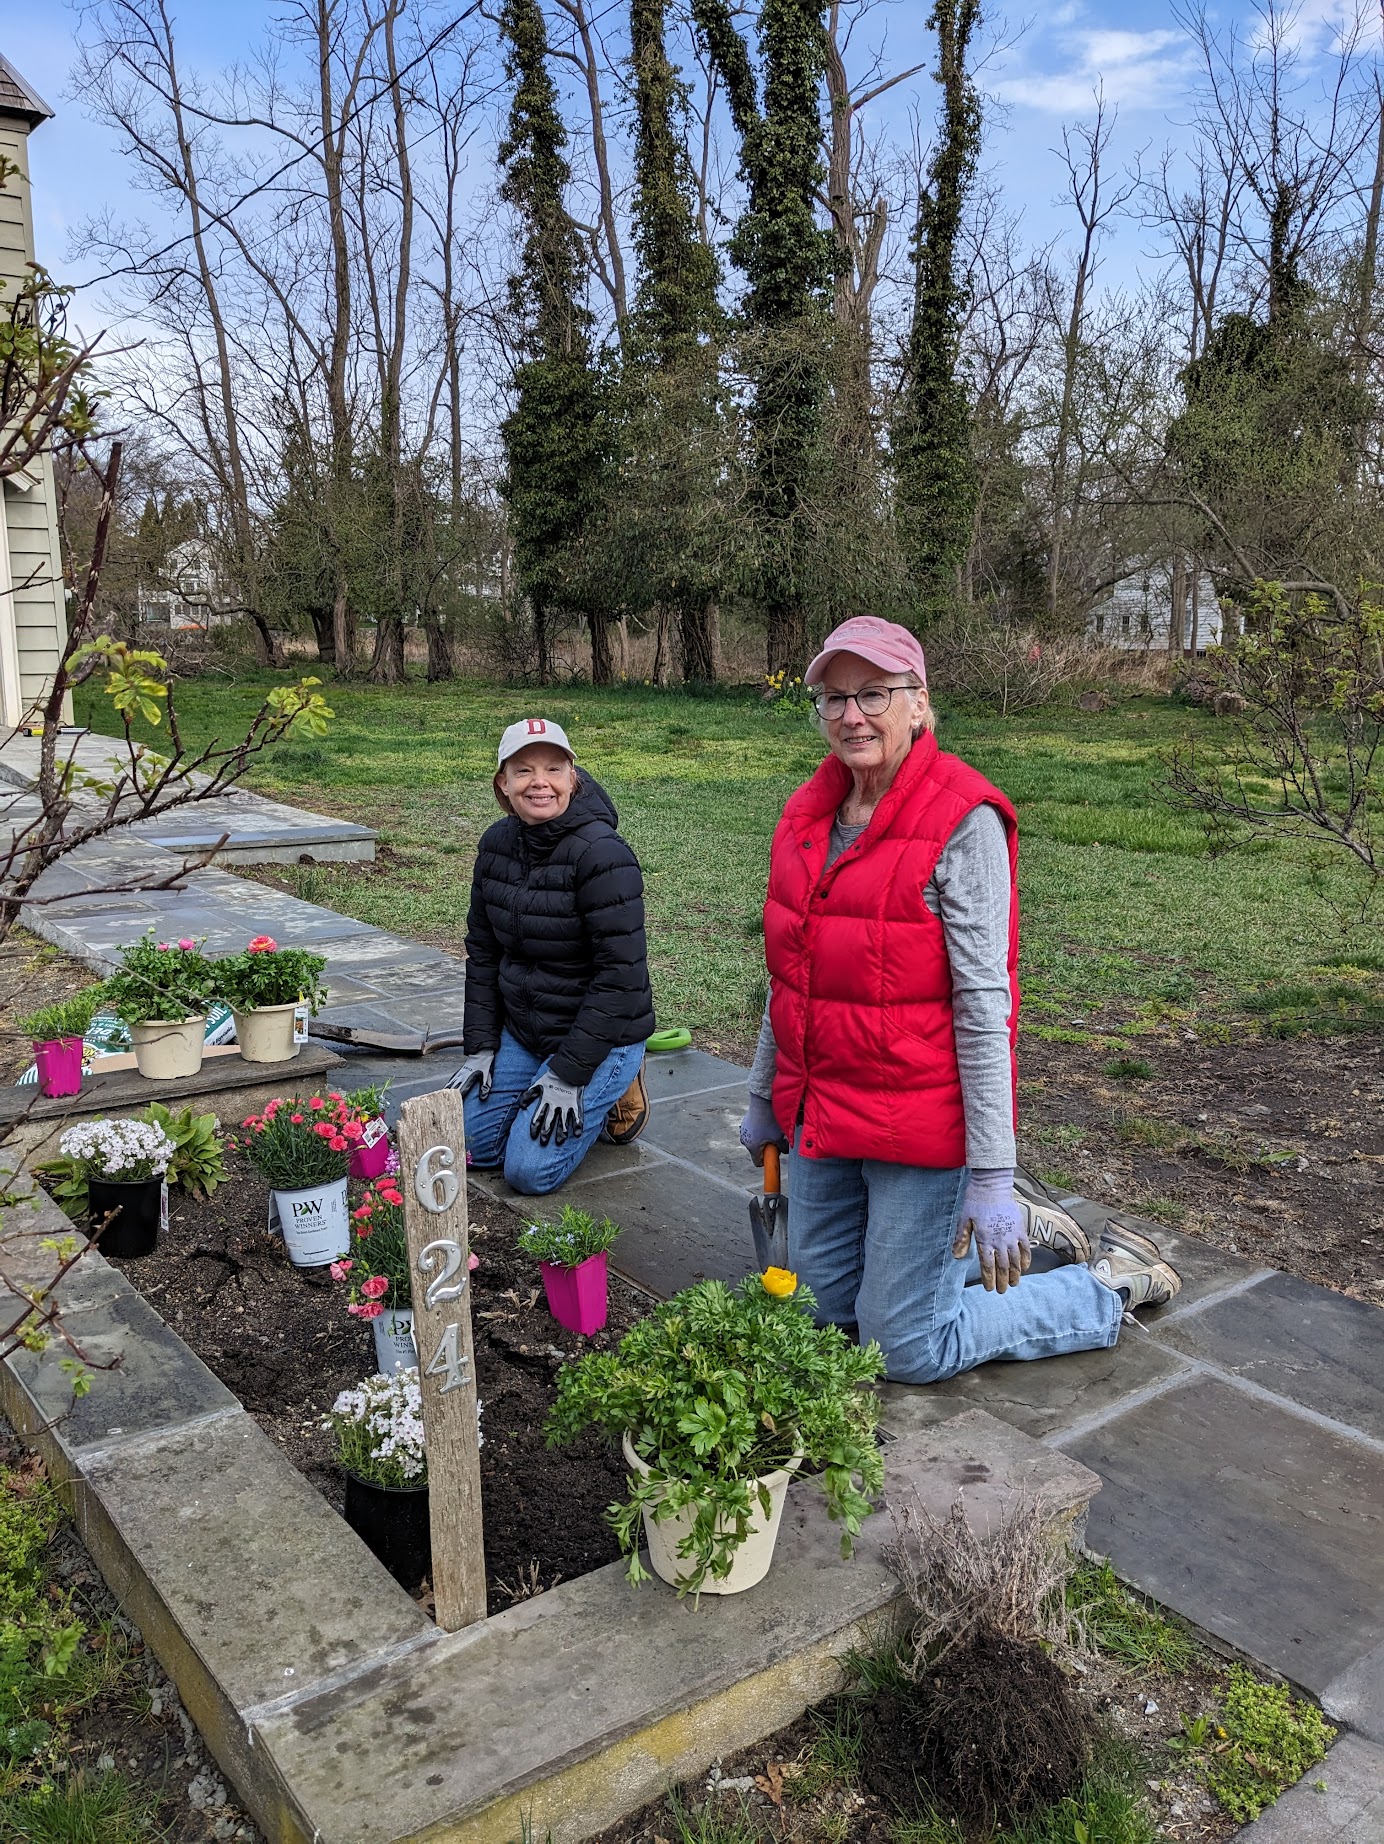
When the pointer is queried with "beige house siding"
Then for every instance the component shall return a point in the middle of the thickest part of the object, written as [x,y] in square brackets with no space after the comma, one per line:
[33,623]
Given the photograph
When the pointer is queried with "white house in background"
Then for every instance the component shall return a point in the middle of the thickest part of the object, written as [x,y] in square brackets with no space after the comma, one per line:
[188,592]
[1137,613]
[33,616]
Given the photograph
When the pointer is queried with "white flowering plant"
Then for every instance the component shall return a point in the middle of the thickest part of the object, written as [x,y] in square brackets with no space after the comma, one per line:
[379,1429]
[118,1151]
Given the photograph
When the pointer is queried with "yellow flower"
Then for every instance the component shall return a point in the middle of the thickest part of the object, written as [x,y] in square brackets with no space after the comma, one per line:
[779,1282]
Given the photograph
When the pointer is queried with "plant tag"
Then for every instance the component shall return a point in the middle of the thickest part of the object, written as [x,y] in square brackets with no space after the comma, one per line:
[163,1208]
[375,1130]
[301,1014]
[272,1226]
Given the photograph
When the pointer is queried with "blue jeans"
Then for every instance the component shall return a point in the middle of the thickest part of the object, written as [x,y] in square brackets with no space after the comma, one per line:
[873,1242]
[497,1129]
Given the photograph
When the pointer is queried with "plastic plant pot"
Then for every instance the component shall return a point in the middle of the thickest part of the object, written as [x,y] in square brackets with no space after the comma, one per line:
[265,1035]
[392,1521]
[165,1051]
[750,1563]
[394,1346]
[578,1298]
[136,1211]
[370,1161]
[59,1062]
[315,1223]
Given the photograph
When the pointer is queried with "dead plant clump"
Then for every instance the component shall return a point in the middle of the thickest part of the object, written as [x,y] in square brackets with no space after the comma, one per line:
[982,1725]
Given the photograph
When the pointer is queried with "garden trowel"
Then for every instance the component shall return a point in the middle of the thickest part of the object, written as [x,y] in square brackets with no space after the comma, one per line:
[769,1217]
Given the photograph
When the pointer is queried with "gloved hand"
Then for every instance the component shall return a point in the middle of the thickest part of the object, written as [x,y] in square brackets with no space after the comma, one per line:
[759,1129]
[558,1113]
[989,1212]
[478,1068]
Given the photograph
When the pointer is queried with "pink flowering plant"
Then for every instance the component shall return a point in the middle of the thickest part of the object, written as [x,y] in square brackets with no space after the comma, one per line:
[161,982]
[377,1266]
[266,974]
[300,1141]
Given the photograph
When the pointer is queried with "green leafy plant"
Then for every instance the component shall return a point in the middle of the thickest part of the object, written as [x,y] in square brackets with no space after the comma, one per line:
[302,1141]
[69,1017]
[716,1389]
[368,1101]
[1129,1069]
[161,982]
[38,1634]
[573,1239]
[1104,1613]
[266,974]
[1264,1742]
[198,1163]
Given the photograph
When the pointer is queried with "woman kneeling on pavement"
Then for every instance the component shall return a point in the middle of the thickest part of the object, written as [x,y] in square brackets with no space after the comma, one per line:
[886,1057]
[558,1004]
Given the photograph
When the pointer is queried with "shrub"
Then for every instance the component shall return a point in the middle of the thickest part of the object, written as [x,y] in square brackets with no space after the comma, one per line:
[65,1018]
[573,1239]
[716,1389]
[161,982]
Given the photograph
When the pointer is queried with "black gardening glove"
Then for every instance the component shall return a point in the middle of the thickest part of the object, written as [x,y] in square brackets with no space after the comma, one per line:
[558,1114]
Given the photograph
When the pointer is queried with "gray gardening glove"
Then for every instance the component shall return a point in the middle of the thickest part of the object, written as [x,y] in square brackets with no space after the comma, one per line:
[990,1214]
[759,1129]
[558,1114]
[478,1068]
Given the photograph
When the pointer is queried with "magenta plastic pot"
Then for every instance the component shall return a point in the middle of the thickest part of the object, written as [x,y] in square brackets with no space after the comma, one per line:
[370,1161]
[578,1298]
[59,1065]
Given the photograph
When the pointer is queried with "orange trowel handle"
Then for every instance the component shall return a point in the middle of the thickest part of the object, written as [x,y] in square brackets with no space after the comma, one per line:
[771,1170]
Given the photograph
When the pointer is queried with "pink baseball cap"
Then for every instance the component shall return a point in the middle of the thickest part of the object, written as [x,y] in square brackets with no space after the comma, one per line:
[883,643]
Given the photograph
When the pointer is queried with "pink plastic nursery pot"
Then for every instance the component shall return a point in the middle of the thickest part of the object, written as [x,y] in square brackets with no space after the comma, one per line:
[578,1297]
[370,1161]
[59,1065]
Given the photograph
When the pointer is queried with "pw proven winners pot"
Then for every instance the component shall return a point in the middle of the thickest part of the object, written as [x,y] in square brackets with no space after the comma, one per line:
[315,1224]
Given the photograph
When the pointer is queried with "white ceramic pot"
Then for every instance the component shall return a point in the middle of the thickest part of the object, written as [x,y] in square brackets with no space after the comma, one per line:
[266,1034]
[394,1346]
[315,1223]
[751,1561]
[164,1051]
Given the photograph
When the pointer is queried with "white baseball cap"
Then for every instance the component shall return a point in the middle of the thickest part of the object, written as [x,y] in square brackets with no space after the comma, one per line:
[532,730]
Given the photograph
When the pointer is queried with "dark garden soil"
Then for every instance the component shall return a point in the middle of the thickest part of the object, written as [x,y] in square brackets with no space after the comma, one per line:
[279,1337]
[1271,1149]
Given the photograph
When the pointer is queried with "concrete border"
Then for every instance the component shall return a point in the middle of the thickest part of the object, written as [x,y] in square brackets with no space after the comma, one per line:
[335,1707]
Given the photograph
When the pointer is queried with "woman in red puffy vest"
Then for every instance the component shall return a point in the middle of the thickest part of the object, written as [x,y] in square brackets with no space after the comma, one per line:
[886,1057]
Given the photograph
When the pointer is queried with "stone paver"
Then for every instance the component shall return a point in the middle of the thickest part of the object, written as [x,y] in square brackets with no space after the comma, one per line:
[1339,1802]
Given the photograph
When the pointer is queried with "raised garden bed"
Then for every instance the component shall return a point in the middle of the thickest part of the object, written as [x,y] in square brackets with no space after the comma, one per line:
[280,1339]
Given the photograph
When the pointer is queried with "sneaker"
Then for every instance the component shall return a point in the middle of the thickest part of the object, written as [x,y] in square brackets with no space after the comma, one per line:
[1142,1283]
[1052,1229]
[630,1115]
[1117,1235]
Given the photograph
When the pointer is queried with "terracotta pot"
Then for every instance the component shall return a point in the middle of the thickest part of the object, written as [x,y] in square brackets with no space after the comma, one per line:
[164,1051]
[578,1298]
[140,1211]
[59,1062]
[265,1035]
[315,1223]
[392,1520]
[750,1563]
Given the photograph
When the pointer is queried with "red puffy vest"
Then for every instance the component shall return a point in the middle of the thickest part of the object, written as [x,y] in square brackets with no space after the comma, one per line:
[861,1002]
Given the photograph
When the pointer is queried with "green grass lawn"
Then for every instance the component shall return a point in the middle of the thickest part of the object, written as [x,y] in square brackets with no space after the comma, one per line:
[1124,913]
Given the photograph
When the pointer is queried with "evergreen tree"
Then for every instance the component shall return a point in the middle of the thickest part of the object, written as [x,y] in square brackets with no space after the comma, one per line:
[934,469]
[557,438]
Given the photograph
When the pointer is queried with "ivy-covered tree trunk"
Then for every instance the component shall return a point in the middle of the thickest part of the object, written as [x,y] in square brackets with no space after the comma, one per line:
[935,475]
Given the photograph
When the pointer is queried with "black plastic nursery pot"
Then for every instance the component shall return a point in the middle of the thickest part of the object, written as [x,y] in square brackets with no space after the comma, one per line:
[392,1521]
[133,1229]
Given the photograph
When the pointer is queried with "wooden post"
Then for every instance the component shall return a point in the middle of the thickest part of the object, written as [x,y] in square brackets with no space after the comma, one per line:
[432,1177]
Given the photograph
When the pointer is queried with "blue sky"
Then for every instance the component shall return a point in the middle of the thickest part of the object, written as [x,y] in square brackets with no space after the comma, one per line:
[1133,48]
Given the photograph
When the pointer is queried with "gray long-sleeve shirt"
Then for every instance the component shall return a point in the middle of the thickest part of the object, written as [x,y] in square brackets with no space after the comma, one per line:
[969,893]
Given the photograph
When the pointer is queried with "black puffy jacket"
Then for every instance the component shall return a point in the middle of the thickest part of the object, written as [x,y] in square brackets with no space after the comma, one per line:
[555,948]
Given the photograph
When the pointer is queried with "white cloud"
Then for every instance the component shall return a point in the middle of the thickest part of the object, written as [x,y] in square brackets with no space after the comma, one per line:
[1135,70]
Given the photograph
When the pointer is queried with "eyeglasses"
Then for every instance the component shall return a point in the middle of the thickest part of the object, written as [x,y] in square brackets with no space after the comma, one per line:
[872,702]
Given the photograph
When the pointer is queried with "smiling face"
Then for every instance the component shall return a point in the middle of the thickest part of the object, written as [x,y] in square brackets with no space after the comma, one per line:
[872,746]
[538,783]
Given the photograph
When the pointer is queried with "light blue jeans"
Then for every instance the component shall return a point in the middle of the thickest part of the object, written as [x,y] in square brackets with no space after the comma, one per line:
[497,1129]
[873,1242]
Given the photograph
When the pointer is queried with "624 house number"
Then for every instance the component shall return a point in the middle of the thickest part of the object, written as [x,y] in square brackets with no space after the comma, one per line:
[440,1263]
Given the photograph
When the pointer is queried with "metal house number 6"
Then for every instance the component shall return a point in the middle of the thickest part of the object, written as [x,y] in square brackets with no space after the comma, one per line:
[436,1191]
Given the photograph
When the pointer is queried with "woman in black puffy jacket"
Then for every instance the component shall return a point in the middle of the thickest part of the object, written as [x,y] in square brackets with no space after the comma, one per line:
[558,1004]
